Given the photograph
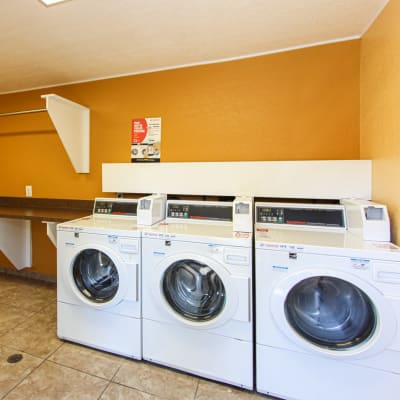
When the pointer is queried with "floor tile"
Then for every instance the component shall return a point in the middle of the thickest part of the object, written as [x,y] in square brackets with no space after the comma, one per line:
[11,317]
[5,277]
[118,392]
[28,324]
[8,281]
[87,360]
[55,382]
[12,374]
[215,391]
[157,380]
[50,310]
[28,296]
[36,336]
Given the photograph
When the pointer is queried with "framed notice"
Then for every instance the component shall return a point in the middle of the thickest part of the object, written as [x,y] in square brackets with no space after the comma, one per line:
[146,140]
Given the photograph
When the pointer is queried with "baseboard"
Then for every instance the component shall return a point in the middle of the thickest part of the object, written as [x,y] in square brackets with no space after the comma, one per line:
[28,275]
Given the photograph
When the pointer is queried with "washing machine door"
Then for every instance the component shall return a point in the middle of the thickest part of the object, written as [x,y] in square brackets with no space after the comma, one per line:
[196,291]
[97,276]
[332,313]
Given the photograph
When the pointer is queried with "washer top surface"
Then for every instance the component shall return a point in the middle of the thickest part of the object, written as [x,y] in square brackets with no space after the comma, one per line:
[199,221]
[324,242]
[102,225]
[199,232]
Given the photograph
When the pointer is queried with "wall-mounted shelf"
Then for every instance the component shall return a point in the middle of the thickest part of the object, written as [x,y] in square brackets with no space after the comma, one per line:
[329,179]
[16,215]
[72,123]
[16,241]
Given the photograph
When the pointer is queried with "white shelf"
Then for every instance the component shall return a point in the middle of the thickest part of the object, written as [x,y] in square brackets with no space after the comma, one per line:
[72,122]
[15,241]
[331,179]
[51,230]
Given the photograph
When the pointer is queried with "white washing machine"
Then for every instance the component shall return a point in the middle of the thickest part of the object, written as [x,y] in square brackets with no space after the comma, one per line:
[327,307]
[98,279]
[197,297]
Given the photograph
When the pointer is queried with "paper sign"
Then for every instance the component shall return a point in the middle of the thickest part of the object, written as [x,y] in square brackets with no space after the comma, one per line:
[146,140]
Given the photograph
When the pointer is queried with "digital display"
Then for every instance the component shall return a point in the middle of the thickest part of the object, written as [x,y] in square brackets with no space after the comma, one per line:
[109,207]
[329,217]
[200,211]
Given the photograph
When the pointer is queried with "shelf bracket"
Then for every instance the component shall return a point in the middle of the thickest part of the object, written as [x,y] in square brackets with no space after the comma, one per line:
[16,241]
[72,123]
[51,230]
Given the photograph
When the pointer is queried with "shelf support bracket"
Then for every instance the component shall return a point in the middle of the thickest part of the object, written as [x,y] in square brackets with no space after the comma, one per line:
[51,230]
[16,241]
[72,123]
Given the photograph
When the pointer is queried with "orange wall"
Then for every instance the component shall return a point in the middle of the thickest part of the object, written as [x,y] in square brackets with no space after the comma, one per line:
[297,105]
[380,102]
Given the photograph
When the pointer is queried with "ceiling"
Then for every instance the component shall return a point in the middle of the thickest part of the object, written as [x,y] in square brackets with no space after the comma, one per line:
[83,40]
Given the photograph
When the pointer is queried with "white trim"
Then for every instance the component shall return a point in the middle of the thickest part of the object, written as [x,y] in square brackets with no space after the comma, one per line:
[373,19]
[194,64]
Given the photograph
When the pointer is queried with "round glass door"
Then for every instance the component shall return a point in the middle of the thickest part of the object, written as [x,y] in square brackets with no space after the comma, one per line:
[330,312]
[95,275]
[194,290]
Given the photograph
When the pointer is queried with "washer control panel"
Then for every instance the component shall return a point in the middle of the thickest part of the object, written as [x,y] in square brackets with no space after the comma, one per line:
[115,207]
[270,214]
[202,210]
[308,215]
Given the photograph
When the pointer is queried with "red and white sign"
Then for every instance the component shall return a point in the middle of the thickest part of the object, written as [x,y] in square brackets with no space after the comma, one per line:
[146,139]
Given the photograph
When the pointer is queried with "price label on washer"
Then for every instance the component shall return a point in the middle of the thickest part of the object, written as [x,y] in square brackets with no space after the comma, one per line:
[242,235]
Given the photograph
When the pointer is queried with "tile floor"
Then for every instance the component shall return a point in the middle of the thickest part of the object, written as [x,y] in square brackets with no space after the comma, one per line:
[53,369]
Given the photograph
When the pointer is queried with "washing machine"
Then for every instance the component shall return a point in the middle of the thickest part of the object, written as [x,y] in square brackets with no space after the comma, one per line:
[99,279]
[197,297]
[327,307]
